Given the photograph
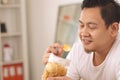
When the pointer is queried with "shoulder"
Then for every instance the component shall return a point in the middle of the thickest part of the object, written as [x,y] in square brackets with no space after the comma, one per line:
[114,57]
[116,46]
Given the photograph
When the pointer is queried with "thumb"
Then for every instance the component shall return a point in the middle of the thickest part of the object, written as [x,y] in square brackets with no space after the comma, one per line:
[55,78]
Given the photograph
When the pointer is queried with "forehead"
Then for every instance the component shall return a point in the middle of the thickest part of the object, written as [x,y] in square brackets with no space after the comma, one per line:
[91,14]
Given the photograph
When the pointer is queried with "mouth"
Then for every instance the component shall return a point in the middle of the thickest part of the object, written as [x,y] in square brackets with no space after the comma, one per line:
[86,41]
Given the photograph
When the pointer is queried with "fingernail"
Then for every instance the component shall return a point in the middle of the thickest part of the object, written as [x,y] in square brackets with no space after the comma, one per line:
[49,78]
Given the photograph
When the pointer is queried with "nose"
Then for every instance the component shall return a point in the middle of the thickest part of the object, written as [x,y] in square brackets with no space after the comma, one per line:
[84,32]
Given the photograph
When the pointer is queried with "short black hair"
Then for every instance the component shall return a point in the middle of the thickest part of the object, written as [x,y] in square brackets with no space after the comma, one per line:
[110,9]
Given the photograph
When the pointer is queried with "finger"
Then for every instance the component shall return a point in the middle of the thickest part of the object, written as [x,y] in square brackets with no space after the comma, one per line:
[59,48]
[60,51]
[52,49]
[57,45]
[59,78]
[49,50]
[55,78]
[55,48]
[45,58]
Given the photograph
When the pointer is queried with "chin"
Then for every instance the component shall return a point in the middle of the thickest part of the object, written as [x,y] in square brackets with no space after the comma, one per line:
[88,50]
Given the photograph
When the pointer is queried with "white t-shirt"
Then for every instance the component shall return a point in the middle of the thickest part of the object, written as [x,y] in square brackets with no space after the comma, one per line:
[81,65]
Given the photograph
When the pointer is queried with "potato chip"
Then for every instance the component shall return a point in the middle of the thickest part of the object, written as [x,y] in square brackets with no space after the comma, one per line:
[66,47]
[56,66]
[53,69]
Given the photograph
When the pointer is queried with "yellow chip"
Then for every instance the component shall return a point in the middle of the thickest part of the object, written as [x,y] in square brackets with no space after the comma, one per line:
[66,47]
[53,70]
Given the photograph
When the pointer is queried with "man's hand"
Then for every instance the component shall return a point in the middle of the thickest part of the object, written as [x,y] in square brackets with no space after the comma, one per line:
[55,48]
[59,78]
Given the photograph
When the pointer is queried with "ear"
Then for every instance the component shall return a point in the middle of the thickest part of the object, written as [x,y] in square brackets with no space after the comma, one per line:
[114,27]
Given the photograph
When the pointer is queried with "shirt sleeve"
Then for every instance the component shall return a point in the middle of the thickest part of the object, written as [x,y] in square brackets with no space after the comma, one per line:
[117,49]
[72,71]
[118,72]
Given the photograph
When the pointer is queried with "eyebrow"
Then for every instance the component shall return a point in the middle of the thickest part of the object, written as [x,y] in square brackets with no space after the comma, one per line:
[88,22]
[92,23]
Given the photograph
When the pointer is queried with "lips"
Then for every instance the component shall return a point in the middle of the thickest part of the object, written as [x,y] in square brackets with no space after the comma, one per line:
[86,41]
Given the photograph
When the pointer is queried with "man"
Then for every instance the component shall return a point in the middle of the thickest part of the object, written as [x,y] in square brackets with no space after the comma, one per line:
[98,58]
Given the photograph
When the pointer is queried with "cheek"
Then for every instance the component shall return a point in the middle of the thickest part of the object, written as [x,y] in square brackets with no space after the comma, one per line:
[99,37]
[95,35]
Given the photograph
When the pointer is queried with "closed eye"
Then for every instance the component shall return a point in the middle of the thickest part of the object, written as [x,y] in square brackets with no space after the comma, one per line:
[81,25]
[92,25]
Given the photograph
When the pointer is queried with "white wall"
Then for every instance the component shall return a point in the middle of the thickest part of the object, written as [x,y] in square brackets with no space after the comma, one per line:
[41,23]
[35,36]
[64,2]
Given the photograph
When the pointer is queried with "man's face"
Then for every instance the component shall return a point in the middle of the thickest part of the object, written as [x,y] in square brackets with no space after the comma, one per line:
[92,30]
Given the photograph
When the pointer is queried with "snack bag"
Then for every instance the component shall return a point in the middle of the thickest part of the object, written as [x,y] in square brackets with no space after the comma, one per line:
[56,66]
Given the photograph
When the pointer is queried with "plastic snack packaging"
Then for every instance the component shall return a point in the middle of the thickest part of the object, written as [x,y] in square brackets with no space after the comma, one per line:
[56,66]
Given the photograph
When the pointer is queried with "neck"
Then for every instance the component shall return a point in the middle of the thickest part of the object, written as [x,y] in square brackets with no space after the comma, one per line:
[99,56]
